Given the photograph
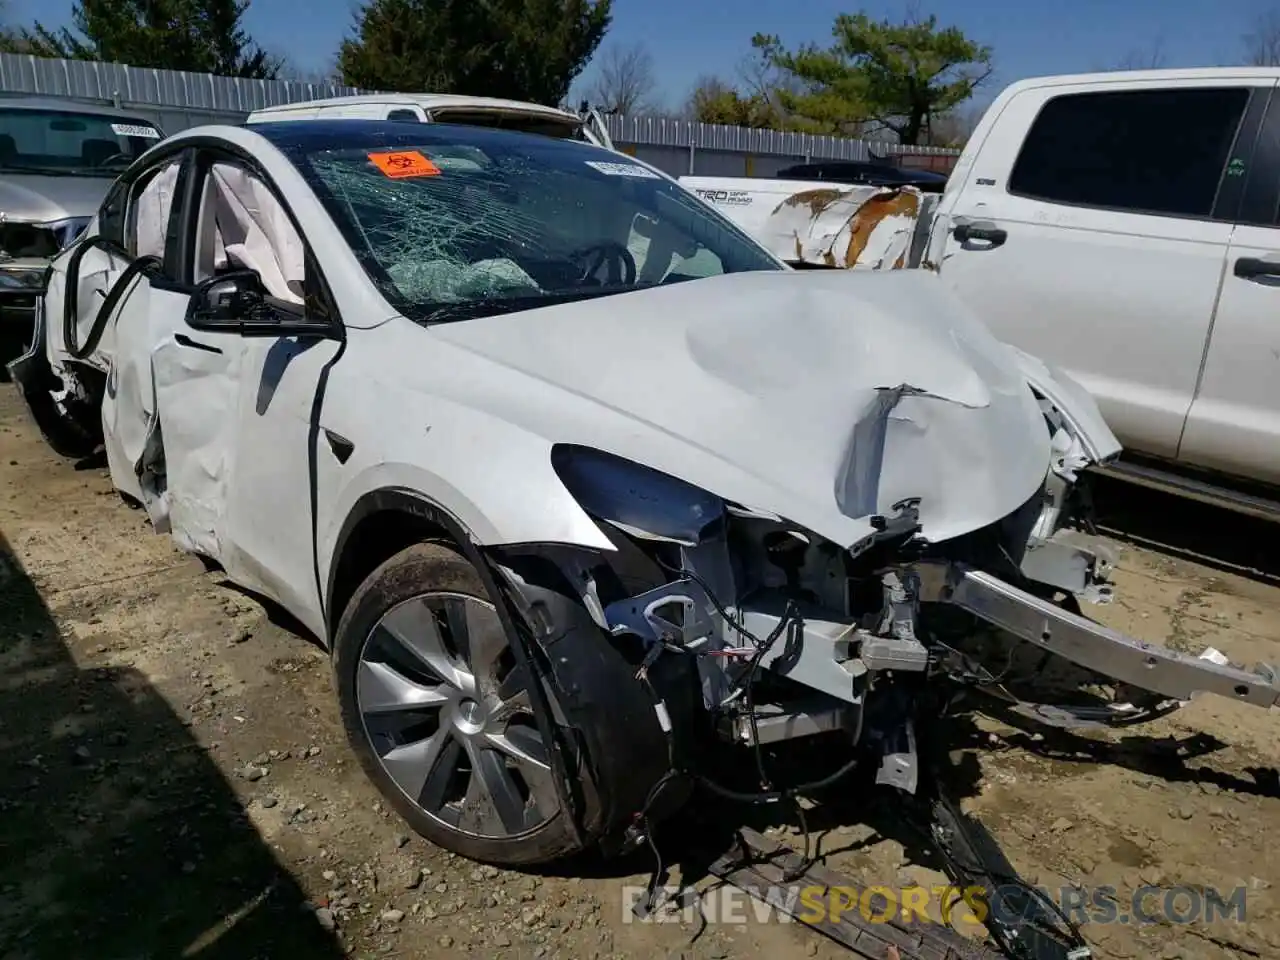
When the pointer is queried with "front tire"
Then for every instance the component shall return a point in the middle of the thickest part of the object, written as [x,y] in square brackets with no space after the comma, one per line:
[439,714]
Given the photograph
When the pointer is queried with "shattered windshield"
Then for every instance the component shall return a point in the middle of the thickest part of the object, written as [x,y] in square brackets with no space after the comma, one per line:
[467,222]
[69,143]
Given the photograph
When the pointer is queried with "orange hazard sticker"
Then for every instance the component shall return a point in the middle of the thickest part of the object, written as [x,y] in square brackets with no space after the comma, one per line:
[404,163]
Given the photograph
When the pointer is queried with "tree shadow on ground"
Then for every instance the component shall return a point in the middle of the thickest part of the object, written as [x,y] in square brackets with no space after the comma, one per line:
[119,836]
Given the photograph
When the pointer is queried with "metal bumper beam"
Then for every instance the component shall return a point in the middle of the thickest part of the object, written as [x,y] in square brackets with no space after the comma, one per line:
[1091,645]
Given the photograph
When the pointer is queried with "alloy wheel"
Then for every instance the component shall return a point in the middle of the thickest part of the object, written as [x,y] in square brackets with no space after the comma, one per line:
[449,717]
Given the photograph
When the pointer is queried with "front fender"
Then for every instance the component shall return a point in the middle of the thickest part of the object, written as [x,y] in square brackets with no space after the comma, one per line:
[1074,403]
[500,507]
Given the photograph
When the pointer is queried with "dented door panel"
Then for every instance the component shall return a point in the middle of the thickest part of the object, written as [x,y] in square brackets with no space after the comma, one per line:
[196,377]
[128,403]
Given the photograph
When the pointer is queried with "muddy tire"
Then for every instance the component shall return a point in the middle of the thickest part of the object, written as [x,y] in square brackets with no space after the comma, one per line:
[439,714]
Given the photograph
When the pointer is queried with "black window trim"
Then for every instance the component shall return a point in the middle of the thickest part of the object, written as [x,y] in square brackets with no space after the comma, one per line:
[1241,136]
[124,191]
[205,152]
[134,192]
[1264,211]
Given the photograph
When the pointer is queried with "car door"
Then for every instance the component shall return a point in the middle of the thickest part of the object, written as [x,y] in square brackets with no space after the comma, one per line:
[1234,422]
[249,400]
[1097,240]
[83,280]
[108,300]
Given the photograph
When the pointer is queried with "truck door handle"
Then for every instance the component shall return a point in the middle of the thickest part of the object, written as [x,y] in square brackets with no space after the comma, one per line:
[1249,268]
[981,230]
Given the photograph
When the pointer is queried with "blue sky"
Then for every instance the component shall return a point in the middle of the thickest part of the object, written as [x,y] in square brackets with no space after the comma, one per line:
[688,38]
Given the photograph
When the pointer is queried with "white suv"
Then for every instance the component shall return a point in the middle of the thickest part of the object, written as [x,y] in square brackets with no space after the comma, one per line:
[565,469]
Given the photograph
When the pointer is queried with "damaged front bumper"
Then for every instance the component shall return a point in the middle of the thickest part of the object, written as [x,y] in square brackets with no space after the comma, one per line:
[1091,645]
[837,657]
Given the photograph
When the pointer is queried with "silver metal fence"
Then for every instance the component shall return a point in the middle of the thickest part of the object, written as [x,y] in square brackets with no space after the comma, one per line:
[177,100]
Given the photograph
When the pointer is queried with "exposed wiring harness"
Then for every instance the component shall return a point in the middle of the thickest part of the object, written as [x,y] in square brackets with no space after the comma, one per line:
[1021,940]
[768,793]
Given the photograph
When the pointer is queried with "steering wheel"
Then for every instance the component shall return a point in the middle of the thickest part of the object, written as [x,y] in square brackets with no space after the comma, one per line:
[621,264]
[115,158]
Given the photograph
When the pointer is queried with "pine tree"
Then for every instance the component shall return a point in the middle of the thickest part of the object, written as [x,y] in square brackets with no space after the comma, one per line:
[204,36]
[520,49]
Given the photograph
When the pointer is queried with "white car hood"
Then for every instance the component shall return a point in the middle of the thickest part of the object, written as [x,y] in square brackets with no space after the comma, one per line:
[752,386]
[32,198]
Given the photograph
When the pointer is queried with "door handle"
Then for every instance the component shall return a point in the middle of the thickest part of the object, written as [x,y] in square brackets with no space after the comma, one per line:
[183,340]
[981,230]
[1250,268]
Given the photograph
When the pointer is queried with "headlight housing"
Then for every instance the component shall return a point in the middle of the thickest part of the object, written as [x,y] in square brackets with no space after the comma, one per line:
[637,499]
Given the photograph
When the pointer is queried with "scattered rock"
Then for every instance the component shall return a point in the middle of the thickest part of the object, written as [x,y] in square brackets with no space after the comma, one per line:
[324,916]
[251,773]
[400,839]
[445,941]
[329,876]
[1061,825]
[392,916]
[268,802]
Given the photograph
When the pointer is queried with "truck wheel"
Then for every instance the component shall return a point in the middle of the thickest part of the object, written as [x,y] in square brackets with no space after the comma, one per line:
[442,722]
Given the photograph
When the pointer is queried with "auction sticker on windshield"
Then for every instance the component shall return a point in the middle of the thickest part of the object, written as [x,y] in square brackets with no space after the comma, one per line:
[404,163]
[135,130]
[623,169]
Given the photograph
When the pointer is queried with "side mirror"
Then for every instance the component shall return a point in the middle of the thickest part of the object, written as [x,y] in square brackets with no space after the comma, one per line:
[237,302]
[225,302]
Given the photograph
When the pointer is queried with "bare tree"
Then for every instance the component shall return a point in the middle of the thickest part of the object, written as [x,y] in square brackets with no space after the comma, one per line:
[625,82]
[1262,42]
[290,70]
[707,89]
[954,127]
[1150,57]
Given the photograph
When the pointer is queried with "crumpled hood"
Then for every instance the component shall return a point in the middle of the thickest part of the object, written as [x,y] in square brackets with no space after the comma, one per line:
[36,199]
[776,390]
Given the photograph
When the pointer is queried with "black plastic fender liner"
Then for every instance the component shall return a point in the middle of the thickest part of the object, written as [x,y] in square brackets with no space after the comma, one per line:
[625,749]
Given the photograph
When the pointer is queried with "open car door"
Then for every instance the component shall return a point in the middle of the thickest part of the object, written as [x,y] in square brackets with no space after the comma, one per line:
[99,302]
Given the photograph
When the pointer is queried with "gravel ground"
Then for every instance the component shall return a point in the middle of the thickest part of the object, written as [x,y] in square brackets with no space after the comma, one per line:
[174,783]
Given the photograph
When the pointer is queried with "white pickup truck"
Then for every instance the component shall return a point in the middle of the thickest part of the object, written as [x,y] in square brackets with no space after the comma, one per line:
[1124,227]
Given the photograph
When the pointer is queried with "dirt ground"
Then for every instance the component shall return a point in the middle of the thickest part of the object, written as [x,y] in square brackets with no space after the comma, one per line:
[173,780]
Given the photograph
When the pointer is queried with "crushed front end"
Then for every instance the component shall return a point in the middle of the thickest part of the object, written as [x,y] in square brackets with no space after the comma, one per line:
[793,635]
